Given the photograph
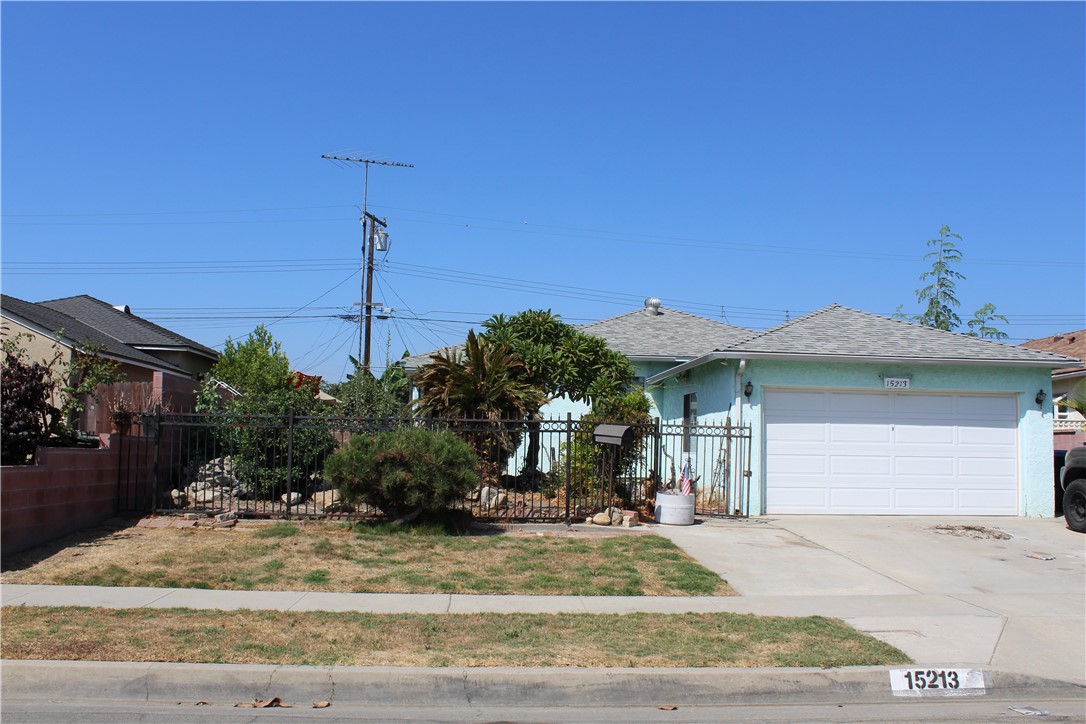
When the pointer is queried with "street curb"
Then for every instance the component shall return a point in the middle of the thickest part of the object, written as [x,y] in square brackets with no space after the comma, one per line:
[547,687]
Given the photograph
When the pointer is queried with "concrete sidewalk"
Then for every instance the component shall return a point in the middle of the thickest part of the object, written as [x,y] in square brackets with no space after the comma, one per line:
[1016,604]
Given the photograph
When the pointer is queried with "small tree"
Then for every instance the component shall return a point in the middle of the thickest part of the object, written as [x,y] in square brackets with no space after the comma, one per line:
[982,323]
[270,395]
[939,295]
[363,395]
[405,472]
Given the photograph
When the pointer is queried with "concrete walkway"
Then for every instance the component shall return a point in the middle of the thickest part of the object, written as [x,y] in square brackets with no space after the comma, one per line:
[1016,604]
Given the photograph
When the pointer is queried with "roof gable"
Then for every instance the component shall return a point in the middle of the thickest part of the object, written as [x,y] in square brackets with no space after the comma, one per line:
[840,332]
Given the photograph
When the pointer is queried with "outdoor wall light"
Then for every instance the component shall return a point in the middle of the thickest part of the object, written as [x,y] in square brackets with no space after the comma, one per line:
[1040,398]
[748,390]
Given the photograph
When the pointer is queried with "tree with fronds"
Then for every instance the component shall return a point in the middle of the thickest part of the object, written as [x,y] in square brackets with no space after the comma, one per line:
[482,390]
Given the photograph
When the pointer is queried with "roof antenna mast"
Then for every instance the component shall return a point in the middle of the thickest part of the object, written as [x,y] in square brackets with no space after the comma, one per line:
[366,285]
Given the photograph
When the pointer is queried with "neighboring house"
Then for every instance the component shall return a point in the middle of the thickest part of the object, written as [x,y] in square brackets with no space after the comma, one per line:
[853,413]
[1068,426]
[144,351]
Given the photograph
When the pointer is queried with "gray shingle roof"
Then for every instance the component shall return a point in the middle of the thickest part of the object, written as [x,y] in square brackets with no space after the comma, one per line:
[412,363]
[77,332]
[125,327]
[669,335]
[837,331]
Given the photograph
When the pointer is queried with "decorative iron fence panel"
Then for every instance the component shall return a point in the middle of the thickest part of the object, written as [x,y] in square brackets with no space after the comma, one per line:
[543,470]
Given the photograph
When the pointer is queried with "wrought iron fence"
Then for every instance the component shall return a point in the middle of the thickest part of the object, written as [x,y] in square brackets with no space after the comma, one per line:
[543,470]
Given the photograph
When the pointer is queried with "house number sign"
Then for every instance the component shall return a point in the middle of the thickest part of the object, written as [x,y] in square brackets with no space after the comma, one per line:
[896,383]
[938,682]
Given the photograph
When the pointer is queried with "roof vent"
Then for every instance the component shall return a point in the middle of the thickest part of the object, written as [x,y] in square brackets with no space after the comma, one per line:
[123,308]
[652,306]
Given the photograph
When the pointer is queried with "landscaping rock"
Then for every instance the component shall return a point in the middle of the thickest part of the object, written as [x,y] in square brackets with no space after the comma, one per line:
[291,498]
[180,500]
[491,498]
[601,519]
[224,517]
[330,502]
[616,516]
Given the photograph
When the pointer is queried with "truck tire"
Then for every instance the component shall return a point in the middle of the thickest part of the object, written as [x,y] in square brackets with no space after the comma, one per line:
[1074,505]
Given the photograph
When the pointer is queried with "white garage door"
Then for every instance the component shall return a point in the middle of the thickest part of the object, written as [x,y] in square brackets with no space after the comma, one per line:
[901,453]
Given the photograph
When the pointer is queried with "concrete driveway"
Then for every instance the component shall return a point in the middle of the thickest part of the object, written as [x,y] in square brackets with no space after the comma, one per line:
[964,595]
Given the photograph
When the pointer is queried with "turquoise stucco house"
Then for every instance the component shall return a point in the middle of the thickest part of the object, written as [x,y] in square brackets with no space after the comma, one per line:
[854,413]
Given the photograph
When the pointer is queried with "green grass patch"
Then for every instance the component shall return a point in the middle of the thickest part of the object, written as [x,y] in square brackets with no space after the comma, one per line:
[277,530]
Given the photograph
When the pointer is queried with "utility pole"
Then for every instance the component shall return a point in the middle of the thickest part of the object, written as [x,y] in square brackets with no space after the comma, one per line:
[365,292]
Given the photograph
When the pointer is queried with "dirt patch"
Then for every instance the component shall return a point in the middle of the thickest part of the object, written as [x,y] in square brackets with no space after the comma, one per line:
[977,532]
[359,639]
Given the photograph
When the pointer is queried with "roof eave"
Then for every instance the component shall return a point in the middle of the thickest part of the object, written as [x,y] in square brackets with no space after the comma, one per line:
[870,359]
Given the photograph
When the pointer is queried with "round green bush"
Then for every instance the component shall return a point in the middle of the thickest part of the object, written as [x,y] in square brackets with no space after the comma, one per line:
[404,472]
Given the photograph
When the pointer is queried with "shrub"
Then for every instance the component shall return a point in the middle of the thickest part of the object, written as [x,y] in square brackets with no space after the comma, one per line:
[404,472]
[28,417]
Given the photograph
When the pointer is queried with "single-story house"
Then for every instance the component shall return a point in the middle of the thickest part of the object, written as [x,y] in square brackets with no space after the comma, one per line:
[854,413]
[1068,426]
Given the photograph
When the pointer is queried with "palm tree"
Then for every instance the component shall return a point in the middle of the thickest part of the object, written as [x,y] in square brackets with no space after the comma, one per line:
[484,382]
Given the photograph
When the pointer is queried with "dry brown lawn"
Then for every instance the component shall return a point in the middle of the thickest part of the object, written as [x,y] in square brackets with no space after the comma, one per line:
[356,639]
[324,556]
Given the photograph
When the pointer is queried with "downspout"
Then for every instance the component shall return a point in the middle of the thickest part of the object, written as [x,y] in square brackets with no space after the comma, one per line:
[738,467]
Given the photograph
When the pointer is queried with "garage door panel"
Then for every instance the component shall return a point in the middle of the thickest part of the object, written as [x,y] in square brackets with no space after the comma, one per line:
[923,466]
[798,500]
[859,402]
[866,433]
[894,452]
[988,468]
[988,409]
[870,465]
[866,500]
[931,406]
[995,436]
[991,501]
[799,432]
[926,499]
[805,465]
[924,435]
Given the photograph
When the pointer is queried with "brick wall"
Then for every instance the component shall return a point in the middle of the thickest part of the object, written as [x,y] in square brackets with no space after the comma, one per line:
[67,490]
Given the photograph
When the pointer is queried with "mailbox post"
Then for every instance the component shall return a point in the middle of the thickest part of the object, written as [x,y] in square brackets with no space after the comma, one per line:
[617,438]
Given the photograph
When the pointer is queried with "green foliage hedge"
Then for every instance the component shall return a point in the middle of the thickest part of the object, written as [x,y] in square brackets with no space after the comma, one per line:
[404,471]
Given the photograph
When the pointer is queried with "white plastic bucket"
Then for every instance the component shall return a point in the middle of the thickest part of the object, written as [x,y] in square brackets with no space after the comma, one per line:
[672,509]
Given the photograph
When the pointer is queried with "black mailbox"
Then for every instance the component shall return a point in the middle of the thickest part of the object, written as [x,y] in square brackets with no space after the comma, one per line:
[614,435]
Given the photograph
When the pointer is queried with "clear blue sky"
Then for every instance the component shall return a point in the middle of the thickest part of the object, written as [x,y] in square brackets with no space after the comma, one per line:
[746,160]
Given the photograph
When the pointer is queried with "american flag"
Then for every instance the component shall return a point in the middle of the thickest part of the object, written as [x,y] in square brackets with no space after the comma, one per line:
[685,481]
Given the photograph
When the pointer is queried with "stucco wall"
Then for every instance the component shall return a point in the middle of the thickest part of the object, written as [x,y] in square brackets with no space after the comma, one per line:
[714,384]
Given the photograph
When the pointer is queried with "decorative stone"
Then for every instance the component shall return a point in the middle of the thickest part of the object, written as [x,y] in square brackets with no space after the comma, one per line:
[291,498]
[223,517]
[491,498]
[180,500]
[601,519]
